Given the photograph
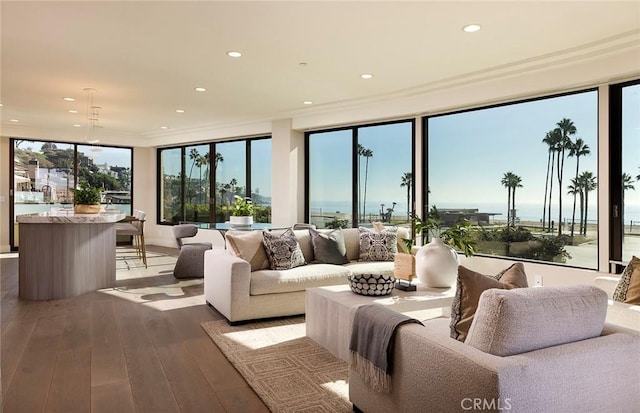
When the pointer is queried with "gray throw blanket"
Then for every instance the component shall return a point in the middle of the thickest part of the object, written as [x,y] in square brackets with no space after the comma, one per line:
[371,346]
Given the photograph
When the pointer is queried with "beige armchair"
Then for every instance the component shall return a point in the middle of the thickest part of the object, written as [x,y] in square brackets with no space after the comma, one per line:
[551,362]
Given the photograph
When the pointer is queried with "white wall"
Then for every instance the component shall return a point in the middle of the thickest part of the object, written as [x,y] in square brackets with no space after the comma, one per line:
[5,168]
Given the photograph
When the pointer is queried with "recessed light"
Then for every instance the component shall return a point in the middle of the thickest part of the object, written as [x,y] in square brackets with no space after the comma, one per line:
[303,64]
[164,127]
[471,28]
[366,75]
[73,111]
[76,125]
[180,110]
[14,120]
[1,105]
[69,99]
[308,102]
[234,54]
[200,89]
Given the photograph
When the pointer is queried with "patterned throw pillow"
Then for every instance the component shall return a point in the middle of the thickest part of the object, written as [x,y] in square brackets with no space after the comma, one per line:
[378,246]
[283,251]
[470,286]
[628,288]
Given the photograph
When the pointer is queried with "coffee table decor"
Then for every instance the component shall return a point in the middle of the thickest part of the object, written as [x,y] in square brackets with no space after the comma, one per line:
[371,284]
[404,269]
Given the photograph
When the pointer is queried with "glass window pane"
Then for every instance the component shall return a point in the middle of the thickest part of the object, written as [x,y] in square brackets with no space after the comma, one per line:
[170,185]
[43,175]
[261,179]
[385,179]
[631,170]
[196,183]
[231,161]
[517,171]
[110,169]
[330,179]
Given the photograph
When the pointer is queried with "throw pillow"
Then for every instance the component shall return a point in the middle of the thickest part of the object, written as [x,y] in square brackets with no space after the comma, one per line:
[628,288]
[248,246]
[329,247]
[527,319]
[378,246]
[470,285]
[283,251]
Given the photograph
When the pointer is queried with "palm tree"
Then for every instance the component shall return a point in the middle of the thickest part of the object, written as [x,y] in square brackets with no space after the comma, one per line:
[576,189]
[506,182]
[578,149]
[193,155]
[588,183]
[566,128]
[627,183]
[407,180]
[199,162]
[515,182]
[367,153]
[552,139]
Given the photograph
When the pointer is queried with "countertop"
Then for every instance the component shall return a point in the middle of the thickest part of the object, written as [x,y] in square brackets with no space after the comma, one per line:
[67,216]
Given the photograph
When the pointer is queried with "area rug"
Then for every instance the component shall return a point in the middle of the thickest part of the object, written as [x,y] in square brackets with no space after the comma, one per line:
[288,371]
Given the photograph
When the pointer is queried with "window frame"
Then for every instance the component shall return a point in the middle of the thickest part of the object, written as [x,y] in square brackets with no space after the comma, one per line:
[212,175]
[354,164]
[425,158]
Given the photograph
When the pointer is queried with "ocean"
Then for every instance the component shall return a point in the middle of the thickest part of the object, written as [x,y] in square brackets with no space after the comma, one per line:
[524,211]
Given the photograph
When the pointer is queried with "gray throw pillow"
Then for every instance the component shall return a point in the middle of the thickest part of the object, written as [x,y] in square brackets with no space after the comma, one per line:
[329,247]
[378,246]
[283,251]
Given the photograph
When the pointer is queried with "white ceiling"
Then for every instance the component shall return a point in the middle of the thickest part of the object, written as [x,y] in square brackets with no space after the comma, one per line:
[145,58]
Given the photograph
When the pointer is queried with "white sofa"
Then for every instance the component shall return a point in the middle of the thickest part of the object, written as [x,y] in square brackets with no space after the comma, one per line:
[240,294]
[626,315]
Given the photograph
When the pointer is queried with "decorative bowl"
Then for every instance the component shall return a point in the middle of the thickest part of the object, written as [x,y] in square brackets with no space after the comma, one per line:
[371,284]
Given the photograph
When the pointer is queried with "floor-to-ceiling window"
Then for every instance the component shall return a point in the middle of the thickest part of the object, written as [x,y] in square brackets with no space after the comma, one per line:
[525,174]
[238,168]
[45,174]
[625,171]
[360,174]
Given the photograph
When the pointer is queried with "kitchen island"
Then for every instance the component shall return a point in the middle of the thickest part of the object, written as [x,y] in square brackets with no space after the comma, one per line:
[63,254]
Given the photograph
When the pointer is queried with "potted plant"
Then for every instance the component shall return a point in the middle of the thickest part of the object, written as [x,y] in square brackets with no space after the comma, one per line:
[437,262]
[86,199]
[241,211]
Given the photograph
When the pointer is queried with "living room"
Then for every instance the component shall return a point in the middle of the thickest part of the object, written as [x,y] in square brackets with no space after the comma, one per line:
[596,49]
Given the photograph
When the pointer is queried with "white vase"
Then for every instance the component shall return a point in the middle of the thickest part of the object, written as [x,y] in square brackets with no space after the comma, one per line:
[437,264]
[241,220]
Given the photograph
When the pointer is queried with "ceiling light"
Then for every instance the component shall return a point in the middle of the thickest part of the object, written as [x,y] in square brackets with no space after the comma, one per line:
[308,102]
[164,127]
[471,28]
[73,111]
[14,120]
[76,125]
[303,64]
[200,89]
[234,54]
[366,75]
[180,110]
[1,105]
[93,117]
[69,99]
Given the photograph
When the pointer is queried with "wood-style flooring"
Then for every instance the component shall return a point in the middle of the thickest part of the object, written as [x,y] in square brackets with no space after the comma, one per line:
[102,353]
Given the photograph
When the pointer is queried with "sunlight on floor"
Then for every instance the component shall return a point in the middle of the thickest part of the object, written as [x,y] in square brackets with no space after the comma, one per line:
[266,337]
[338,387]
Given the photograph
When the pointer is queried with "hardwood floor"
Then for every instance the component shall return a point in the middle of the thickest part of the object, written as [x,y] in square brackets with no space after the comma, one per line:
[106,353]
